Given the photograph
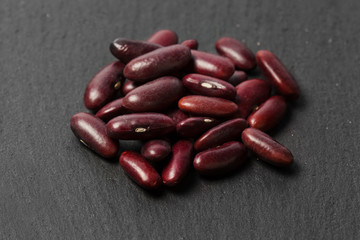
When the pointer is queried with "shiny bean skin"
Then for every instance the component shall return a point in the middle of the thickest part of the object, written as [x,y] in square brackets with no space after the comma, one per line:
[140,126]
[156,150]
[220,160]
[266,148]
[237,78]
[237,52]
[126,50]
[195,126]
[164,37]
[269,114]
[224,132]
[207,106]
[111,110]
[176,115]
[179,164]
[154,96]
[104,86]
[209,86]
[277,74]
[129,86]
[139,170]
[160,62]
[211,65]
[191,43]
[91,131]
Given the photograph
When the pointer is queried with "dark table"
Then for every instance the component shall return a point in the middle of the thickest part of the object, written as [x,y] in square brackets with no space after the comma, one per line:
[54,188]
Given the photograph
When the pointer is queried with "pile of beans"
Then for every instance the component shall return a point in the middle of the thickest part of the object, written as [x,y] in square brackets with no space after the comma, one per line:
[208,119]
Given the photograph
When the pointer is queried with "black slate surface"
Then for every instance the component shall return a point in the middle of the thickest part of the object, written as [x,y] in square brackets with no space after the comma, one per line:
[54,188]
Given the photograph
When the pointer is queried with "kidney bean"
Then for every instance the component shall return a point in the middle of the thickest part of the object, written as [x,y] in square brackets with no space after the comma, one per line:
[156,150]
[111,110]
[177,115]
[154,96]
[125,49]
[224,132]
[277,74]
[91,131]
[140,170]
[129,86]
[266,148]
[179,164]
[209,86]
[207,106]
[164,37]
[237,52]
[140,126]
[195,126]
[211,65]
[220,160]
[160,62]
[237,78]
[104,86]
[191,43]
[269,114]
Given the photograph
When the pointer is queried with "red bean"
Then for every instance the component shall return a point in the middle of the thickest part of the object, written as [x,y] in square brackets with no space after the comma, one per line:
[224,132]
[140,126]
[160,62]
[207,106]
[140,170]
[266,148]
[195,126]
[156,150]
[179,164]
[277,74]
[177,115]
[92,133]
[237,52]
[129,86]
[191,43]
[104,86]
[220,160]
[164,38]
[154,96]
[269,114]
[111,110]
[237,78]
[209,86]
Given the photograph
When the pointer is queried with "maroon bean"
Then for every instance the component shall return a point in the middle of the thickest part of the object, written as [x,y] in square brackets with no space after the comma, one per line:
[179,164]
[266,148]
[164,37]
[191,43]
[269,114]
[209,86]
[222,133]
[207,106]
[237,78]
[111,110]
[154,96]
[104,86]
[129,86]
[156,150]
[140,170]
[91,131]
[277,74]
[220,160]
[126,49]
[160,62]
[211,65]
[177,115]
[237,52]
[195,126]
[140,126]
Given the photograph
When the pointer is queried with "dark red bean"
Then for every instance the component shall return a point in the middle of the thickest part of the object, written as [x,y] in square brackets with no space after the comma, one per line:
[251,94]
[277,74]
[154,96]
[266,148]
[111,110]
[209,86]
[237,78]
[222,133]
[269,114]
[191,43]
[140,126]
[126,49]
[177,115]
[160,62]
[156,150]
[179,164]
[104,86]
[211,65]
[129,86]
[220,160]
[164,37]
[207,106]
[195,126]
[139,170]
[237,52]
[91,131]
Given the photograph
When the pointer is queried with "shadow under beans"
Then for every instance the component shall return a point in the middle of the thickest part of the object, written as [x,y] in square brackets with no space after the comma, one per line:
[187,185]
[290,171]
